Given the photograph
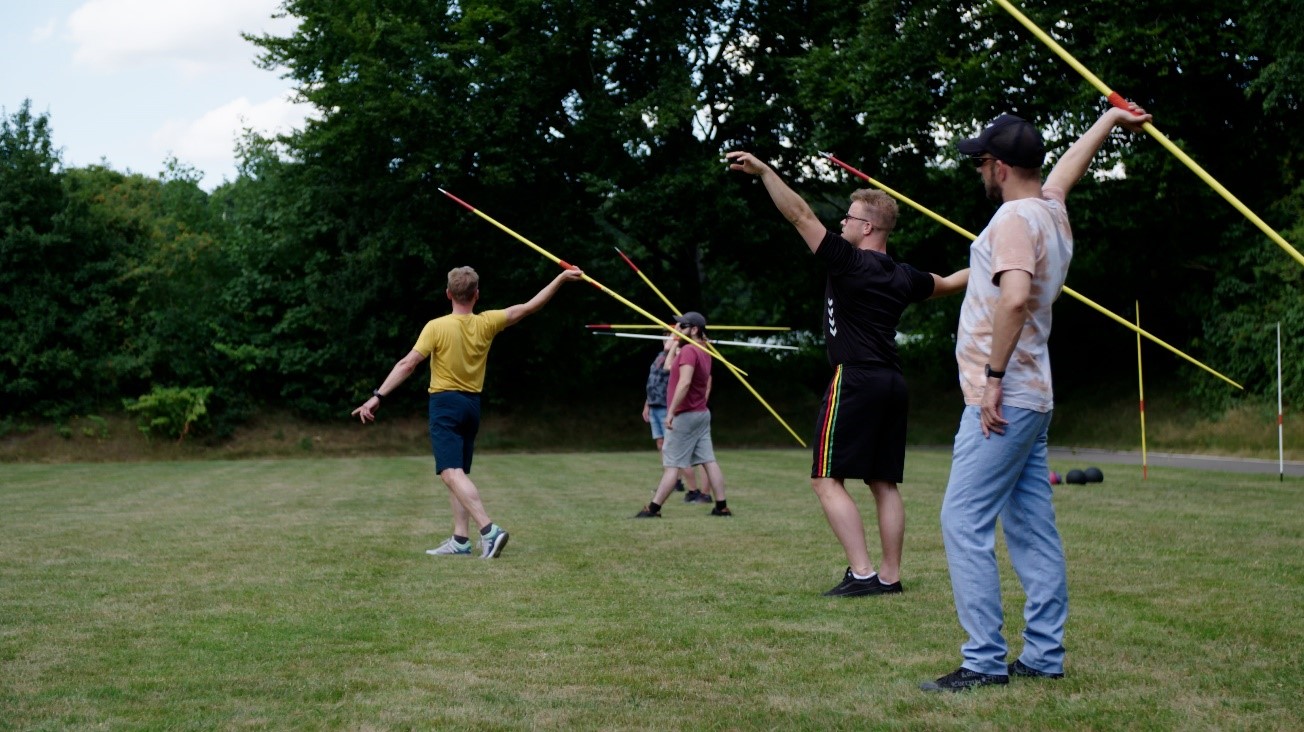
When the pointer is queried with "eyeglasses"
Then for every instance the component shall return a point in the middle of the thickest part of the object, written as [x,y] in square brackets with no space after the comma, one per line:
[857,218]
[978,161]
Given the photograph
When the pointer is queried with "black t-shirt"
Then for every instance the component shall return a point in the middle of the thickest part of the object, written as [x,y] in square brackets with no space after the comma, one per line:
[864,296]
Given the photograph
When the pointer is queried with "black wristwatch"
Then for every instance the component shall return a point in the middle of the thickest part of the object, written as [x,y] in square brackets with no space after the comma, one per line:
[991,373]
[376,393]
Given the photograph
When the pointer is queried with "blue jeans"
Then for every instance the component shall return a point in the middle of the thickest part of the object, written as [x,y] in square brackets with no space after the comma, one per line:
[656,419]
[1006,476]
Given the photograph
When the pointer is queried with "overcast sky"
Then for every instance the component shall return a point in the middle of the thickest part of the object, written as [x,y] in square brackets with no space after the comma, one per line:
[132,82]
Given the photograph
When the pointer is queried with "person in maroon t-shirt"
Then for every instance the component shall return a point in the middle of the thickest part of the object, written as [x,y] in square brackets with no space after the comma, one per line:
[688,420]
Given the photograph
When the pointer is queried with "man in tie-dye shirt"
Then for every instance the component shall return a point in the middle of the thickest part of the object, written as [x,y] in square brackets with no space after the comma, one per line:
[1017,268]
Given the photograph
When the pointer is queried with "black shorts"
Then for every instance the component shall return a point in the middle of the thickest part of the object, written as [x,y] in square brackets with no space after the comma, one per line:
[454,423]
[860,431]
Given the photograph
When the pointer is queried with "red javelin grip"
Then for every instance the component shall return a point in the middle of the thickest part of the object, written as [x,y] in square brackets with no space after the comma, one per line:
[1117,100]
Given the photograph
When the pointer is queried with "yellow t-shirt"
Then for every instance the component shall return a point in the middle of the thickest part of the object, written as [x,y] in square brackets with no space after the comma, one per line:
[458,347]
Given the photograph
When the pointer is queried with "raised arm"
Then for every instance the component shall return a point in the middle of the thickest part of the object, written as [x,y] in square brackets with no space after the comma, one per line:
[791,205]
[1075,161]
[950,284]
[516,313]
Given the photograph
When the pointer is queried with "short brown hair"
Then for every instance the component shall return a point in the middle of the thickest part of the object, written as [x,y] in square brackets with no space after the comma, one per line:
[463,283]
[882,207]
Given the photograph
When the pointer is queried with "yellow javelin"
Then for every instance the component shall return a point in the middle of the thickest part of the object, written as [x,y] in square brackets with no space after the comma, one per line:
[1118,101]
[1067,290]
[567,265]
[644,326]
[712,350]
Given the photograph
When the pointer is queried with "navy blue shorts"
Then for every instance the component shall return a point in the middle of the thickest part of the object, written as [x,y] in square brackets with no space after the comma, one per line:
[454,423]
[860,432]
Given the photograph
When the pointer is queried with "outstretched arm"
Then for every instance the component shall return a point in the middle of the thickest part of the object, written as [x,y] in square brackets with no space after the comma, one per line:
[397,375]
[1073,164]
[950,284]
[516,313]
[791,205]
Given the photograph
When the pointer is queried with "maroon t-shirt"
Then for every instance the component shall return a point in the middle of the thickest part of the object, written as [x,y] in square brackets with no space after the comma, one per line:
[695,399]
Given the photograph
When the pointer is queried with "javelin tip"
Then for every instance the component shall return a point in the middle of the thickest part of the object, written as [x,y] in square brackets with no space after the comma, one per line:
[628,261]
[464,204]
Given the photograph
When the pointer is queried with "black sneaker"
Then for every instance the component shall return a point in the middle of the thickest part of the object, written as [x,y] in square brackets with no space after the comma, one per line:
[647,513]
[852,587]
[704,498]
[679,485]
[717,511]
[1018,668]
[963,679]
[692,496]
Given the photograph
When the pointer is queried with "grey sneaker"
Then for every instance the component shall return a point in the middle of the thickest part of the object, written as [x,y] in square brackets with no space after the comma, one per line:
[451,548]
[492,544]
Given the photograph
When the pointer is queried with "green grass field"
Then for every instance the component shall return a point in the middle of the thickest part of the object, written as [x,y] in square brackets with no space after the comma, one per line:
[295,594]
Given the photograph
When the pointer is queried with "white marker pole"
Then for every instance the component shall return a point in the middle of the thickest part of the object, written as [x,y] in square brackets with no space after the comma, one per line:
[1141,392]
[1281,444]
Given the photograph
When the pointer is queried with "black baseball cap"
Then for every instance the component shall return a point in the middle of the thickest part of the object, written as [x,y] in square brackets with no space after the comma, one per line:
[691,318]
[1010,139]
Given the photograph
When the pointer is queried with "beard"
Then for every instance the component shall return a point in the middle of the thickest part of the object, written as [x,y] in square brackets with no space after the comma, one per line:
[994,193]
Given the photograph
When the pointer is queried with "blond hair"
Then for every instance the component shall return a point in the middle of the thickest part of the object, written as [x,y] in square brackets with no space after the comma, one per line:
[463,283]
[882,207]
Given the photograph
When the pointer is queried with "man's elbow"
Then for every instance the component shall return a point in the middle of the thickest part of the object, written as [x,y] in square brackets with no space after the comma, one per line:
[1016,306]
[517,313]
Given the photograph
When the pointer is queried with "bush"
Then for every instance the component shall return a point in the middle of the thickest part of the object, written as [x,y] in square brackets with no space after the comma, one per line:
[171,411]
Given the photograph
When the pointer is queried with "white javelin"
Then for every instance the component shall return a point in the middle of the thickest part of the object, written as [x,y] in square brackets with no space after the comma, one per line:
[709,340]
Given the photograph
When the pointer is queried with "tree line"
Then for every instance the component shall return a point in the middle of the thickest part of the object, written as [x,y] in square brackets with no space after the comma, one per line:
[592,124]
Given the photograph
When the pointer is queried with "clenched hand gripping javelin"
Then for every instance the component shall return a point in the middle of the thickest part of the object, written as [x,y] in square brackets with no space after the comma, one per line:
[1118,101]
[1067,290]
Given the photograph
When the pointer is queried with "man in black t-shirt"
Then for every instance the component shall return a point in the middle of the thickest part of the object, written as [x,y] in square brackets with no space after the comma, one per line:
[860,431]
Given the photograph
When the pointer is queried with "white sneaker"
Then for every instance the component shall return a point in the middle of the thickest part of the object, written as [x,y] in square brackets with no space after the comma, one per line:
[492,545]
[452,547]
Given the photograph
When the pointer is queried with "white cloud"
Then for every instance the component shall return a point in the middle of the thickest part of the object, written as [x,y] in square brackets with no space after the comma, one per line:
[195,36]
[45,32]
[209,141]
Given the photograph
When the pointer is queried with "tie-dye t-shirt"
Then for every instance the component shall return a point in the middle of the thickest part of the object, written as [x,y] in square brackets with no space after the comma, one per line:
[1033,235]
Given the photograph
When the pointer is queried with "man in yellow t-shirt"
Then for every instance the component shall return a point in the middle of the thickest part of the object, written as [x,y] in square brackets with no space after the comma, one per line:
[458,348]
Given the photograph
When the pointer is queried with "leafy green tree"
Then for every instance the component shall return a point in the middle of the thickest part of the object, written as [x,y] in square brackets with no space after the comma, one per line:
[38,353]
[915,76]
[109,283]
[581,125]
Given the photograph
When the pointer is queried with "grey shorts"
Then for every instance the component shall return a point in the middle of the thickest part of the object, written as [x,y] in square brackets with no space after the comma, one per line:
[688,442]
